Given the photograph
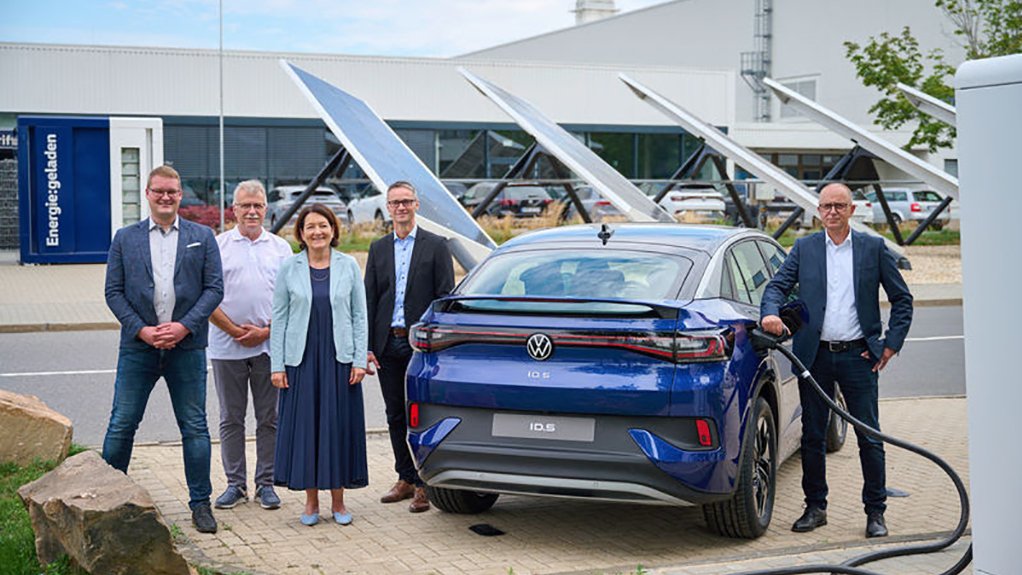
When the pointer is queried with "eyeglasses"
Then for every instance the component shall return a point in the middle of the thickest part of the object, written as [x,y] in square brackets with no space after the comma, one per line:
[400,203]
[164,193]
[837,207]
[252,206]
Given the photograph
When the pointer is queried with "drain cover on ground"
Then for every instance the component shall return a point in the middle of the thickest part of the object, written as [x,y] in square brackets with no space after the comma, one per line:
[485,529]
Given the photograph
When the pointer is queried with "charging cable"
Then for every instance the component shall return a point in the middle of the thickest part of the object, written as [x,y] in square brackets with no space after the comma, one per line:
[851,566]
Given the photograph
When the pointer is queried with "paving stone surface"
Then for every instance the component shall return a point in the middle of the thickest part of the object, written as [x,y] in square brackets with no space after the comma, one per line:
[564,536]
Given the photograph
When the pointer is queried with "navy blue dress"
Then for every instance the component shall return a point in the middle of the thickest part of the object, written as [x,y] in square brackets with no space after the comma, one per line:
[321,440]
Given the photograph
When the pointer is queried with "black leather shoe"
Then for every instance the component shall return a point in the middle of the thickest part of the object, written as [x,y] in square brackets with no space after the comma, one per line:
[875,525]
[812,518]
[202,519]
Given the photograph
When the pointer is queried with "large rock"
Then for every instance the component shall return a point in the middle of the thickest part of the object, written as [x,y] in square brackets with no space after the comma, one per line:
[29,430]
[100,519]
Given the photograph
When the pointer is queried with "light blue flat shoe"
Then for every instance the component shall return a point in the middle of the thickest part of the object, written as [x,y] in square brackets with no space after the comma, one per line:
[309,520]
[342,518]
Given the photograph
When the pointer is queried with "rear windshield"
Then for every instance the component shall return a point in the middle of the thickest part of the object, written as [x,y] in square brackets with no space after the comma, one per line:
[580,274]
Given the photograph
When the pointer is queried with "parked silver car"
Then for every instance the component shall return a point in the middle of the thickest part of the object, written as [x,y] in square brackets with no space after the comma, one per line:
[279,199]
[909,205]
[598,207]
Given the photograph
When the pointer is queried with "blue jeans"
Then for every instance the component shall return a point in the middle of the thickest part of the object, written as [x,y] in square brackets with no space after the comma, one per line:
[184,370]
[858,383]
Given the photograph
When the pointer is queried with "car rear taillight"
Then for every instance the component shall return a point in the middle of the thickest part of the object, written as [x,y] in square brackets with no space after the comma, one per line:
[508,202]
[413,417]
[703,432]
[869,204]
[700,346]
[915,207]
[602,203]
[677,198]
[680,347]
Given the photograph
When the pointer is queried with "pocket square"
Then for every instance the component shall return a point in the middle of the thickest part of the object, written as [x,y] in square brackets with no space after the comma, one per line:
[193,245]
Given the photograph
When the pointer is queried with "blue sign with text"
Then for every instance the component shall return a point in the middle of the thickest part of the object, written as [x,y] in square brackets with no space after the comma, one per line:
[64,189]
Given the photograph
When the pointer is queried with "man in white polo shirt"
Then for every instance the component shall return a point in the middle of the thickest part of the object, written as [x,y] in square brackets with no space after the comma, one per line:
[239,348]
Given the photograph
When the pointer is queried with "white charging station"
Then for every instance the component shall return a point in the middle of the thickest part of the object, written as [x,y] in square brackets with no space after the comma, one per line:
[988,99]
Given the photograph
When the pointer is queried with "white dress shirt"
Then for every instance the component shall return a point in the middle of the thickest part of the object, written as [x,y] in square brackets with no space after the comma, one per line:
[163,254]
[250,273]
[840,320]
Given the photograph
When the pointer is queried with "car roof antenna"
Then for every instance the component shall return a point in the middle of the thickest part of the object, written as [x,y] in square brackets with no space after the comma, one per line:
[605,233]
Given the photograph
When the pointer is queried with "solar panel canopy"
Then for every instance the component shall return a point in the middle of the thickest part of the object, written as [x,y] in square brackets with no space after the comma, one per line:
[557,141]
[386,159]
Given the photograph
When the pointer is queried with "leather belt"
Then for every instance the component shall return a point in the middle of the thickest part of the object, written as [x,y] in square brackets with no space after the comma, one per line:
[399,331]
[840,346]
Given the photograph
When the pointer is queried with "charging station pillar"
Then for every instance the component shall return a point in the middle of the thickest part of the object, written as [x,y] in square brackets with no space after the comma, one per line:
[988,99]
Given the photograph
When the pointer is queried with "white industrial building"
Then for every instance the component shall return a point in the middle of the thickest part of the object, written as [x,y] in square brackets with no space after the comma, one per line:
[702,54]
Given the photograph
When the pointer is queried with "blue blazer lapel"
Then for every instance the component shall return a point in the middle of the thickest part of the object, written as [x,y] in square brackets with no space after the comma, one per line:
[143,247]
[182,244]
[389,263]
[858,253]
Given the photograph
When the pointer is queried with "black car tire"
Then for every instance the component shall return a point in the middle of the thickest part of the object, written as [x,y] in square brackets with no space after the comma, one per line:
[747,514]
[460,501]
[837,428]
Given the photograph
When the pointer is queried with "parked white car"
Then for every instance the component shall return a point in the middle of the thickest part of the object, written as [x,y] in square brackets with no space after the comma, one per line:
[279,199]
[371,206]
[909,205]
[694,202]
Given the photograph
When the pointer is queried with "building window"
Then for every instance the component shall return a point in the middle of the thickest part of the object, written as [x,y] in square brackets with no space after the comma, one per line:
[805,87]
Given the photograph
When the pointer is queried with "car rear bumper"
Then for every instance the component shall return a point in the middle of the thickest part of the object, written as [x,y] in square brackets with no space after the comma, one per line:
[629,459]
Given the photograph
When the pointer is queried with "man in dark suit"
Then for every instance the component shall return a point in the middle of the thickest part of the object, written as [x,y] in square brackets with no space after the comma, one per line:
[163,280]
[406,271]
[839,273]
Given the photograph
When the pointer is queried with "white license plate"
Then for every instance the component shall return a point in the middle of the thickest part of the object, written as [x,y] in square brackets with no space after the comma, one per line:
[530,210]
[543,427]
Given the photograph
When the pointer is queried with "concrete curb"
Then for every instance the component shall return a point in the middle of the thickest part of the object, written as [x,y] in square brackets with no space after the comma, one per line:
[60,326]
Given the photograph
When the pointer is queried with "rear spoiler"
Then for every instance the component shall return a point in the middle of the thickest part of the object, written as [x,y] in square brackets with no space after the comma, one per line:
[547,305]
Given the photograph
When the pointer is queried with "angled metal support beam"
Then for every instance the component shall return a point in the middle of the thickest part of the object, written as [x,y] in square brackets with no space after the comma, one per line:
[337,164]
[795,190]
[743,211]
[929,105]
[904,161]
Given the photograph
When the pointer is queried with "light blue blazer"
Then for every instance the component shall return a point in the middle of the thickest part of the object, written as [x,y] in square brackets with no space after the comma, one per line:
[292,305]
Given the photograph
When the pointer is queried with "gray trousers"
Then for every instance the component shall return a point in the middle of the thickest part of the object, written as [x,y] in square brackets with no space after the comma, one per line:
[233,378]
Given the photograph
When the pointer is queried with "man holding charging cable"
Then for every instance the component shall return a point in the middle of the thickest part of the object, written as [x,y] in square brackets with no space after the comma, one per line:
[839,273]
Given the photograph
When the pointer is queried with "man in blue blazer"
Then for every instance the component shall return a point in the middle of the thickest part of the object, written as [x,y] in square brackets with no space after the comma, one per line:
[839,273]
[163,280]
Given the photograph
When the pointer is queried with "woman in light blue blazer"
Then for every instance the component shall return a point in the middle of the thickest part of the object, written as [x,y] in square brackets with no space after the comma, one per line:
[318,341]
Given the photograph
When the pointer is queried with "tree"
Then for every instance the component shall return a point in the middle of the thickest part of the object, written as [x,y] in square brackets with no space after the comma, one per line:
[986,27]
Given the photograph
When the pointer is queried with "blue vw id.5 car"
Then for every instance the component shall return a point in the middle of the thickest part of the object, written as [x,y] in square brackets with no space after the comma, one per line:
[612,363]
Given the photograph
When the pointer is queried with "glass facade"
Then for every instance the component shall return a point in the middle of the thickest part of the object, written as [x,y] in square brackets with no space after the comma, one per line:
[280,154]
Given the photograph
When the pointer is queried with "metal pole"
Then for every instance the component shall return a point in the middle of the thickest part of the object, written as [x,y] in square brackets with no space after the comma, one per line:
[221,58]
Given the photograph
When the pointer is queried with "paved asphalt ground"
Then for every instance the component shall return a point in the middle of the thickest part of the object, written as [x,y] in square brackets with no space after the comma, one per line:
[541,535]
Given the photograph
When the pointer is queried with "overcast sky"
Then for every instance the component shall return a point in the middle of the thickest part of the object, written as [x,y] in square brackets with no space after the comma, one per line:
[439,28]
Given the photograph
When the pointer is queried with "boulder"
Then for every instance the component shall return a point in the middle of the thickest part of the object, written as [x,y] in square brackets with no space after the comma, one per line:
[29,430]
[102,520]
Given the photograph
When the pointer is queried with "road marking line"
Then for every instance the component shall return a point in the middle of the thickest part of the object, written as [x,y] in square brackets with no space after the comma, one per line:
[77,372]
[935,338]
[47,373]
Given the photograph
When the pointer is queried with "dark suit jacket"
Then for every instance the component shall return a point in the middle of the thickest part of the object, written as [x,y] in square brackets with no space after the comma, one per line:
[872,266]
[198,282]
[430,276]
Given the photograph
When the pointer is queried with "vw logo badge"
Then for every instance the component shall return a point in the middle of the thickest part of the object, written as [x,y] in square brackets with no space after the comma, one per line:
[539,346]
